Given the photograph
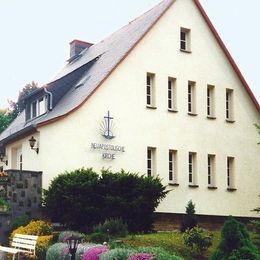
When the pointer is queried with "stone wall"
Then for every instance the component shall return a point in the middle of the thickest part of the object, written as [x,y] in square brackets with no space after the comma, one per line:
[24,192]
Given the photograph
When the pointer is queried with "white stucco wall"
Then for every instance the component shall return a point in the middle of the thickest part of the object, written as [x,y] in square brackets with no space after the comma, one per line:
[66,144]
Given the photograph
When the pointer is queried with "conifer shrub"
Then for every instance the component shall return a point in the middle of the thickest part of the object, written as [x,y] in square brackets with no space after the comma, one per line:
[235,242]
[20,221]
[81,199]
[198,240]
[189,220]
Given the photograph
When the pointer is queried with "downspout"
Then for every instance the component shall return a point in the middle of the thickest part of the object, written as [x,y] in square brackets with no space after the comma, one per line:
[50,94]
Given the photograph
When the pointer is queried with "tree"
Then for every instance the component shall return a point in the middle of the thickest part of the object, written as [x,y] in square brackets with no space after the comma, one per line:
[5,119]
[81,199]
[189,220]
[235,242]
[19,106]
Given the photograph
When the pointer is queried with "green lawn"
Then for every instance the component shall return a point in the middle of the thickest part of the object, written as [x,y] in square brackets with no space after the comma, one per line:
[170,241]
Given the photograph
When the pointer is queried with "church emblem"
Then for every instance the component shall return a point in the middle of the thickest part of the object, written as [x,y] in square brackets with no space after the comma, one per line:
[107,127]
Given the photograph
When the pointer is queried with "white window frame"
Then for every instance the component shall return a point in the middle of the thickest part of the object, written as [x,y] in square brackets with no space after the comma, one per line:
[185,39]
[229,105]
[151,161]
[172,164]
[150,90]
[211,170]
[172,94]
[192,167]
[230,173]
[37,104]
[192,98]
[210,101]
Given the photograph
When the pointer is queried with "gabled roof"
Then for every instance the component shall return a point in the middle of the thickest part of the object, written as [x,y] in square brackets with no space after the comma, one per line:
[107,55]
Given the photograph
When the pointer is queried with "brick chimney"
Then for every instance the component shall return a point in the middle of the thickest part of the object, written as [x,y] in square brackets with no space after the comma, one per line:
[76,47]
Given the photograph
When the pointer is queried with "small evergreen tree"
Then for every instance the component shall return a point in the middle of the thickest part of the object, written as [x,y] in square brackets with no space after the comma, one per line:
[235,242]
[189,220]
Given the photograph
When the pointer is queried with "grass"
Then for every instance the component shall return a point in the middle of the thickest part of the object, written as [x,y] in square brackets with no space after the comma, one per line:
[170,241]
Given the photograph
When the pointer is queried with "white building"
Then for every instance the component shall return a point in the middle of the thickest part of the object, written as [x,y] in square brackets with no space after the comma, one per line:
[175,104]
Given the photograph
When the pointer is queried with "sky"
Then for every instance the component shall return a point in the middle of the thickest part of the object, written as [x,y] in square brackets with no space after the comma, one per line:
[35,35]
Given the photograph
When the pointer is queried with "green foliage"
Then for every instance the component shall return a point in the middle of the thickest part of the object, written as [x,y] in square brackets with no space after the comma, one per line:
[58,251]
[5,119]
[117,254]
[198,240]
[72,199]
[81,199]
[235,242]
[65,234]
[19,106]
[110,229]
[189,220]
[256,234]
[20,221]
[4,203]
[131,197]
[159,253]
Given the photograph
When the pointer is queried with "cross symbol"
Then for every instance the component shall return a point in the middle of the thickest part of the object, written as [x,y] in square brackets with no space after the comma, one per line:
[109,118]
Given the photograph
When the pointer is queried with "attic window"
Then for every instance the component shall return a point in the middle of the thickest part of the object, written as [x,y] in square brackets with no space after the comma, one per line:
[36,108]
[185,41]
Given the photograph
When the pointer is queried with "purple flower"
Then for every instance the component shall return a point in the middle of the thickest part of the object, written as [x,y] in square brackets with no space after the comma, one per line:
[140,256]
[94,252]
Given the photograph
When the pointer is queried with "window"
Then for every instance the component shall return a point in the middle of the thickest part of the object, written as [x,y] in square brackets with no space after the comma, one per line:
[172,106]
[211,171]
[173,167]
[36,108]
[185,44]
[230,173]
[150,90]
[211,101]
[191,98]
[192,170]
[151,161]
[229,105]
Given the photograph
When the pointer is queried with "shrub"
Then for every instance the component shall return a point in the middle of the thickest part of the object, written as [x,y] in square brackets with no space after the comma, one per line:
[131,197]
[82,248]
[81,199]
[72,199]
[159,253]
[58,251]
[98,237]
[256,234]
[38,228]
[198,240]
[189,220]
[43,242]
[35,227]
[111,228]
[65,234]
[140,256]
[118,254]
[20,221]
[235,242]
[94,252]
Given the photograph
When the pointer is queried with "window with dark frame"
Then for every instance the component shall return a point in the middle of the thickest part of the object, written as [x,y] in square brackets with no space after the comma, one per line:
[150,161]
[191,168]
[211,170]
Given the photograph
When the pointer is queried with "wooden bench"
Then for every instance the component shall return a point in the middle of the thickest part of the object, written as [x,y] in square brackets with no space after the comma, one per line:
[21,243]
